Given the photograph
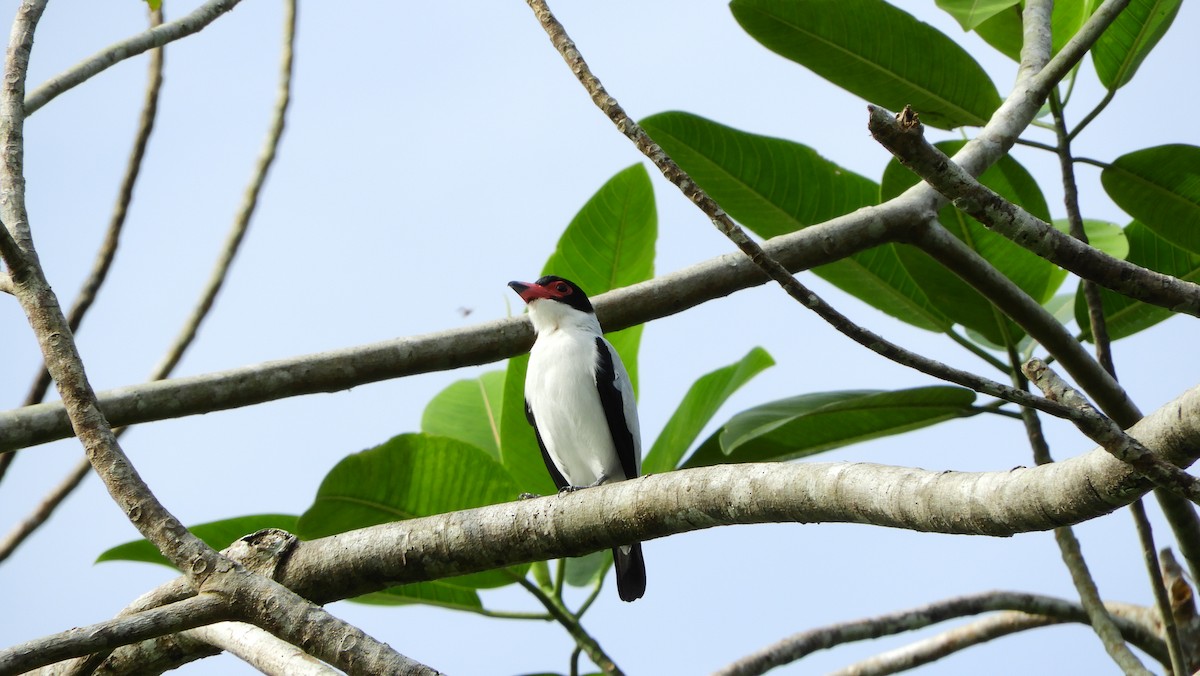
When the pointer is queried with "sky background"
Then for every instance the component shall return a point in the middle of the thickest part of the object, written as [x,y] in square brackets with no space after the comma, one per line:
[433,152]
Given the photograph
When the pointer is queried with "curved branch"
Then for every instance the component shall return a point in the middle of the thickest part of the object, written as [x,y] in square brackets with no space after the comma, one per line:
[1000,625]
[114,54]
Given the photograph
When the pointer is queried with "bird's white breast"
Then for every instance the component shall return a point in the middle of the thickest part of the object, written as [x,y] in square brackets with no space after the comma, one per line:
[560,387]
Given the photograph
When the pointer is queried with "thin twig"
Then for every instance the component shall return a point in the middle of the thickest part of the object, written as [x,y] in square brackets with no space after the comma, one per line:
[246,210]
[1099,619]
[583,639]
[1161,599]
[201,17]
[1091,292]
[45,508]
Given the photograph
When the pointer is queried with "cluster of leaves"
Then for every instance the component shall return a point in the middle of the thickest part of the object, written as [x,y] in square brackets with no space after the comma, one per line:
[475,446]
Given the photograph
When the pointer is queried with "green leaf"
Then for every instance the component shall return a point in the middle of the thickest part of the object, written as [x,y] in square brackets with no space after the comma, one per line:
[1137,29]
[609,244]
[971,13]
[773,186]
[1103,235]
[1004,30]
[584,571]
[1125,316]
[698,407]
[408,476]
[217,534]
[953,297]
[867,48]
[154,4]
[770,185]
[1160,187]
[812,423]
[468,410]
[439,593]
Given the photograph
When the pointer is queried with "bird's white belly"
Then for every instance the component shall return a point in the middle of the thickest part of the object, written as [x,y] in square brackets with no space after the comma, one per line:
[561,390]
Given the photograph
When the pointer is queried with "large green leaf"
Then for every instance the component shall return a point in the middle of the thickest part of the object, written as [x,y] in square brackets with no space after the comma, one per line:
[698,407]
[468,410]
[1127,42]
[971,13]
[217,534]
[1125,316]
[408,476]
[773,186]
[609,244]
[952,296]
[1160,187]
[868,47]
[812,423]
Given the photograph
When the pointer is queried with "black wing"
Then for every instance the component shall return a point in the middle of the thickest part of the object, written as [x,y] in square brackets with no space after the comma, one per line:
[560,481]
[614,408]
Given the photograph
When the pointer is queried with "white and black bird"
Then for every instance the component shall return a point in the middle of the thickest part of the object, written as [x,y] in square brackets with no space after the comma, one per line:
[579,399]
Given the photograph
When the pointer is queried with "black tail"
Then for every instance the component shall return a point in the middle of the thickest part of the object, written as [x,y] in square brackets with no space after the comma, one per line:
[631,572]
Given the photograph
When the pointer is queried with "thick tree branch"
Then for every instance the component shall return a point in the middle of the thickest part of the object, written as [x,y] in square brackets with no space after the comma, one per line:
[909,146]
[102,60]
[992,503]
[1049,609]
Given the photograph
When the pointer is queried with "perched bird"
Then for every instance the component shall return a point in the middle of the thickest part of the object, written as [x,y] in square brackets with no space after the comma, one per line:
[580,402]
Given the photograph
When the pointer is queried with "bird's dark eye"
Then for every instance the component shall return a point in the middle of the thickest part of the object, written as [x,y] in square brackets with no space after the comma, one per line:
[562,288]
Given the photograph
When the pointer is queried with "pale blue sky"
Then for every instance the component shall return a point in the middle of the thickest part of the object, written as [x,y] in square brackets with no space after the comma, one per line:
[433,152]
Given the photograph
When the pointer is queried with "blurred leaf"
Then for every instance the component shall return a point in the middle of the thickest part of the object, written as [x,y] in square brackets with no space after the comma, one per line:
[583,571]
[812,423]
[1137,29]
[971,13]
[951,295]
[773,186]
[869,48]
[1160,187]
[1125,316]
[408,476]
[438,593]
[698,407]
[217,534]
[1103,235]
[1004,30]
[468,410]
[609,244]
[154,4]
